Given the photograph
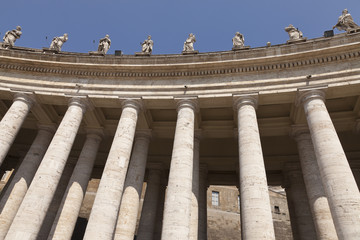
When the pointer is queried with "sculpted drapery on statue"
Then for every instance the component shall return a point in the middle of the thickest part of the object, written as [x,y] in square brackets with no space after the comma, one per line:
[11,36]
[238,41]
[189,43]
[57,42]
[294,33]
[147,45]
[104,44]
[346,22]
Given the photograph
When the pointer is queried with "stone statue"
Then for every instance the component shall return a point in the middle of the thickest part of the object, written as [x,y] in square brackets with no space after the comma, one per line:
[11,36]
[294,33]
[57,42]
[189,43]
[104,44]
[346,22]
[238,41]
[147,45]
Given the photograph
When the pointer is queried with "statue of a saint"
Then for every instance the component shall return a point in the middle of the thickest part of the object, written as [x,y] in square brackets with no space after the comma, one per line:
[57,42]
[346,22]
[238,41]
[147,45]
[189,43]
[294,33]
[104,44]
[11,36]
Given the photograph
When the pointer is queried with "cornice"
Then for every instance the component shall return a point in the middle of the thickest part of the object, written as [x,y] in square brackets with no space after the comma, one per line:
[189,70]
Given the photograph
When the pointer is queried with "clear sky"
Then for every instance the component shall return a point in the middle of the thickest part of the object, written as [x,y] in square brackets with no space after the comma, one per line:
[128,22]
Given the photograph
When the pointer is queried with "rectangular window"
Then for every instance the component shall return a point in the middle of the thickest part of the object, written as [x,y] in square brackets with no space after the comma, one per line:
[215,198]
[277,209]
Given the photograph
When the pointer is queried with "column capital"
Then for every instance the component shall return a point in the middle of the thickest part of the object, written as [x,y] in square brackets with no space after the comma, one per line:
[308,93]
[80,102]
[292,172]
[143,133]
[299,132]
[29,99]
[190,102]
[135,103]
[96,133]
[245,99]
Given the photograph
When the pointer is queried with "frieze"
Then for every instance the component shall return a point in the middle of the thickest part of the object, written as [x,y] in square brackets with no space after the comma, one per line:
[243,69]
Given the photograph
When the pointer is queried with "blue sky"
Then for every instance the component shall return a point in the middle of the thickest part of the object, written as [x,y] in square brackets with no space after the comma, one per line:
[128,22]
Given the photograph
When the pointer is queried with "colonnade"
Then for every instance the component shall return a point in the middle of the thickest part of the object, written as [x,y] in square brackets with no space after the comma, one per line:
[332,194]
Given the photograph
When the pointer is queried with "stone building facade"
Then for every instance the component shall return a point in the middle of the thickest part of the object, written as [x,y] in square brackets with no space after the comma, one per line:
[277,115]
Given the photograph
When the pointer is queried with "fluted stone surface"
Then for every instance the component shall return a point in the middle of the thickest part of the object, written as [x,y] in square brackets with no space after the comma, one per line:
[33,209]
[11,123]
[254,195]
[12,198]
[338,181]
[104,213]
[130,203]
[69,209]
[176,222]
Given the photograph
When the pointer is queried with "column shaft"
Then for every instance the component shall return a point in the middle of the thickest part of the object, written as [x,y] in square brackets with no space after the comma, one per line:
[203,186]
[160,209]
[148,213]
[56,201]
[338,181]
[295,190]
[176,223]
[16,191]
[33,208]
[318,202]
[254,195]
[69,209]
[12,121]
[130,203]
[194,220]
[106,206]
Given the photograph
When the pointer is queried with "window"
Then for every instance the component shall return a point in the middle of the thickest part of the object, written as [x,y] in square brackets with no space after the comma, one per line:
[277,209]
[215,198]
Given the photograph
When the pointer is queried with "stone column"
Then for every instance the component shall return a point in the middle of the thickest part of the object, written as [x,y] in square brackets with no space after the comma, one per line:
[254,195]
[295,190]
[56,200]
[176,223]
[69,209]
[203,186]
[12,198]
[130,203]
[194,220]
[32,211]
[160,208]
[106,206]
[148,214]
[318,202]
[337,178]
[291,208]
[11,123]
